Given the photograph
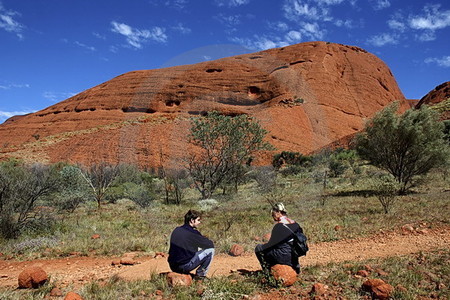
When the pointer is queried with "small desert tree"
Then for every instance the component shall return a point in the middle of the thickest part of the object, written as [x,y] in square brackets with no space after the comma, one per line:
[224,144]
[100,178]
[404,145]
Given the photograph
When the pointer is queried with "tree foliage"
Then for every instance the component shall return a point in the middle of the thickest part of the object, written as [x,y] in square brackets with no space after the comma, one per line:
[404,145]
[22,188]
[226,145]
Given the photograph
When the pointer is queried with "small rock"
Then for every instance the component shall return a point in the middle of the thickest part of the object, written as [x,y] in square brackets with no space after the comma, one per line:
[95,236]
[159,292]
[407,228]
[236,250]
[378,288]
[381,272]
[32,277]
[422,231]
[337,228]
[368,268]
[318,289]
[401,288]
[127,261]
[115,262]
[362,273]
[160,254]
[285,274]
[177,279]
[73,296]
[56,292]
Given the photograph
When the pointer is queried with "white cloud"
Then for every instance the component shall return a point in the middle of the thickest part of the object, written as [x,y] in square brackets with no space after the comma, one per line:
[260,42]
[313,31]
[57,96]
[99,36]
[90,48]
[295,10]
[380,4]
[442,62]
[8,114]
[426,36]
[279,26]
[181,28]
[396,24]
[432,19]
[346,23]
[232,3]
[8,23]
[13,86]
[136,37]
[383,39]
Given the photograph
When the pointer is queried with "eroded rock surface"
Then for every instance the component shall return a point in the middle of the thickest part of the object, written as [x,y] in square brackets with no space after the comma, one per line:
[306,95]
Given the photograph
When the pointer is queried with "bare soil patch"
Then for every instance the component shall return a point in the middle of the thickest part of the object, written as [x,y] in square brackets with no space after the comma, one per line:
[81,270]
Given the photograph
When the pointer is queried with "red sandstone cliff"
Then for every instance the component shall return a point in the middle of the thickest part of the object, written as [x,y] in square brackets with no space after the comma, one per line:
[306,95]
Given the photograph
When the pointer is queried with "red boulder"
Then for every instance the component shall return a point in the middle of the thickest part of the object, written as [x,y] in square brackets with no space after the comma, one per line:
[32,277]
[284,274]
[177,279]
[378,288]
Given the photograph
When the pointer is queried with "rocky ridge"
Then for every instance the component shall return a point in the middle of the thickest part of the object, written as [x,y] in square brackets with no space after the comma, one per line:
[306,95]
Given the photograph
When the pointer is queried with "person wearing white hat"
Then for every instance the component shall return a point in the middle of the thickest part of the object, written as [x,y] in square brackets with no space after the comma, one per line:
[279,248]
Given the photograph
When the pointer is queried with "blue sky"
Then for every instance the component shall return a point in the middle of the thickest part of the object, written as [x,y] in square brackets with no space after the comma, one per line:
[53,49]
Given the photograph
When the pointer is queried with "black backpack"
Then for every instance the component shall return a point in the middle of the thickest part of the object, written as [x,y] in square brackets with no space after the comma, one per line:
[300,246]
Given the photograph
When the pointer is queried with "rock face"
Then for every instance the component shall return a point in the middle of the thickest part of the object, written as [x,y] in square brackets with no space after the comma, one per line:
[438,96]
[306,95]
[32,277]
[284,274]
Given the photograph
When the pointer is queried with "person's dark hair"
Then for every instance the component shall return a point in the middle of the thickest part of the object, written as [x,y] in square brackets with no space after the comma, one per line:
[191,215]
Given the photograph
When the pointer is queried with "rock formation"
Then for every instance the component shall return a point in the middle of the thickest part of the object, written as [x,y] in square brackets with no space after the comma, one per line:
[306,95]
[439,96]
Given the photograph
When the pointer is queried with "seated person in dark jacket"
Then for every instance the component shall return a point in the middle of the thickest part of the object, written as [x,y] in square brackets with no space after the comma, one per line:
[189,249]
[278,250]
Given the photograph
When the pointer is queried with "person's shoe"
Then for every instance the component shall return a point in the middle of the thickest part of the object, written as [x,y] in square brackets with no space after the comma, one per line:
[199,278]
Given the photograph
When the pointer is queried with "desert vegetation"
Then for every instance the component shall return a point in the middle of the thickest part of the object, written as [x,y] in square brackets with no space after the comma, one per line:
[53,211]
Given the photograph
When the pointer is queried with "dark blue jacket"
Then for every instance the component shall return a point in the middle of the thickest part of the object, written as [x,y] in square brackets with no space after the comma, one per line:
[185,241]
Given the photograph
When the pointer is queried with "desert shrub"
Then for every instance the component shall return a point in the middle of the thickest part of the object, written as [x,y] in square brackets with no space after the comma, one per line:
[405,145]
[290,158]
[74,190]
[386,188]
[22,189]
[266,177]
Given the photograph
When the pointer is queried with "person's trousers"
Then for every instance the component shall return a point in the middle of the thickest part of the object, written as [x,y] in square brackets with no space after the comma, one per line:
[202,259]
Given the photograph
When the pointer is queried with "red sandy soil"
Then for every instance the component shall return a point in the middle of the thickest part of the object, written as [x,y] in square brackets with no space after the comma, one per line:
[77,271]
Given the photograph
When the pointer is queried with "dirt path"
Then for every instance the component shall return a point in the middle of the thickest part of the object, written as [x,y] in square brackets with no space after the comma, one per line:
[80,270]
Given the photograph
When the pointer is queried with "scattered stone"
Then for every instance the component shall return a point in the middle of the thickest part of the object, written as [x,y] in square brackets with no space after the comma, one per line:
[362,273]
[73,296]
[266,237]
[407,228]
[75,253]
[236,250]
[56,292]
[160,254]
[115,262]
[32,277]
[422,231]
[177,279]
[318,289]
[284,274]
[378,288]
[337,228]
[95,236]
[381,272]
[127,261]
[159,292]
[401,288]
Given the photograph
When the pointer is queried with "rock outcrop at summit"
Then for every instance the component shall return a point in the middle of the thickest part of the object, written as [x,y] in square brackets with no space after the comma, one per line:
[306,95]
[439,96]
